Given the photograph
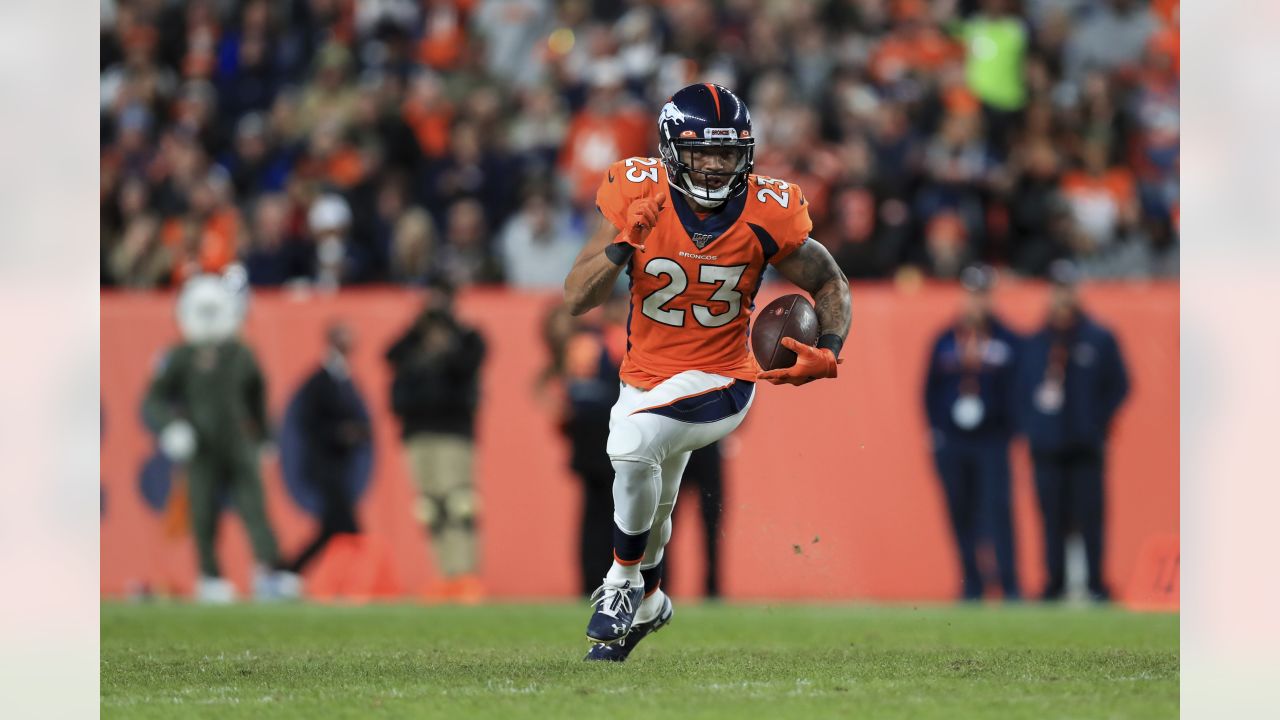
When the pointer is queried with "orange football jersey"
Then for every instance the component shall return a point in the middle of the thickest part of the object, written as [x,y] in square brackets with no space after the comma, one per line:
[693,287]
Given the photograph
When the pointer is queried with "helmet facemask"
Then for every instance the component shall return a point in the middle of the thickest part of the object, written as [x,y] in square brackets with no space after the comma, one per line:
[677,156]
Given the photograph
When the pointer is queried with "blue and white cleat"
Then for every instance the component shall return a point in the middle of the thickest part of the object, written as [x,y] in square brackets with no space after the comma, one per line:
[615,602]
[618,652]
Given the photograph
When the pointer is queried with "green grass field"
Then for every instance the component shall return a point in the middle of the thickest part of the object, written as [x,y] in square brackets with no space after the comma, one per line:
[713,661]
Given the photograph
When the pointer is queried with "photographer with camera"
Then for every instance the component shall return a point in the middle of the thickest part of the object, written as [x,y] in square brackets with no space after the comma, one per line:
[435,392]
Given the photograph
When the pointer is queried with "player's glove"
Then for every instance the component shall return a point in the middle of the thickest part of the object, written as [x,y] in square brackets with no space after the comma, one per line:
[642,215]
[811,364]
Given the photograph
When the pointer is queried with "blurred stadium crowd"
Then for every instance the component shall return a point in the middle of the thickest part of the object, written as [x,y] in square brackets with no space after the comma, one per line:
[338,142]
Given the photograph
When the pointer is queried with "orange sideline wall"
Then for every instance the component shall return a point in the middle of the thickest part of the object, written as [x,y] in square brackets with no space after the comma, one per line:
[830,489]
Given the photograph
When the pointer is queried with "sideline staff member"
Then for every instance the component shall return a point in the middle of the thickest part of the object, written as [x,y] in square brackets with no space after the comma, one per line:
[969,398]
[1072,382]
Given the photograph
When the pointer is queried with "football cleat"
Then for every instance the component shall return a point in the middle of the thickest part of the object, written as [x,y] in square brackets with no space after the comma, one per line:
[615,603]
[619,651]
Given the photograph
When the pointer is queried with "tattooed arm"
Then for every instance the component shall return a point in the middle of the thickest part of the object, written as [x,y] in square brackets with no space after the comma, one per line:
[813,270]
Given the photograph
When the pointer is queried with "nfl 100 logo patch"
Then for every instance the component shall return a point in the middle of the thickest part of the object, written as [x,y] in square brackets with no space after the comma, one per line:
[701,239]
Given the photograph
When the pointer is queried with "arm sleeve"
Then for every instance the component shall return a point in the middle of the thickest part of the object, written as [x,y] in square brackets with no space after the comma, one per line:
[465,367]
[315,411]
[256,395]
[159,408]
[402,348]
[476,349]
[1025,378]
[468,351]
[1115,381]
[408,391]
[1012,375]
[932,386]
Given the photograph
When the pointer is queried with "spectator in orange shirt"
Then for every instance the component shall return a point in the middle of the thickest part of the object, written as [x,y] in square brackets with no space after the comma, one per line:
[444,33]
[207,238]
[330,159]
[201,33]
[916,45]
[1102,199]
[606,130]
[1168,11]
[428,112]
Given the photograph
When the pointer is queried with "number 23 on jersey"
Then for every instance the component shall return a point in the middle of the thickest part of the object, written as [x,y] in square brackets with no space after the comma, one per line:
[725,278]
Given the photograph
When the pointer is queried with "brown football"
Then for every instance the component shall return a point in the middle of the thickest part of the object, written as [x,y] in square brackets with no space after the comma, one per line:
[789,316]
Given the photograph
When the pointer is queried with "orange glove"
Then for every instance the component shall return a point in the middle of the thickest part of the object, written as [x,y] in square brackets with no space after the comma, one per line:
[642,215]
[811,364]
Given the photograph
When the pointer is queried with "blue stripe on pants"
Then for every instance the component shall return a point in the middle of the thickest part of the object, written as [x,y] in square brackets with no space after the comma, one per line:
[708,407]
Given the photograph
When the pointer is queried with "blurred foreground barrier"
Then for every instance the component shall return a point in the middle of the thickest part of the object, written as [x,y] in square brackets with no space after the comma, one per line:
[830,491]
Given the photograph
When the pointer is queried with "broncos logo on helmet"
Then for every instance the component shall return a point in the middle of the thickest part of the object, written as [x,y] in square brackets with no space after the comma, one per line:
[706,118]
[670,113]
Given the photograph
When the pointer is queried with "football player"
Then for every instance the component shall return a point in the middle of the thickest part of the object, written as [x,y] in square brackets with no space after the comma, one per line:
[694,230]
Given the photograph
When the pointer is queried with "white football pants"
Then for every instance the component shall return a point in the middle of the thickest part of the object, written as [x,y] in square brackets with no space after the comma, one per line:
[652,432]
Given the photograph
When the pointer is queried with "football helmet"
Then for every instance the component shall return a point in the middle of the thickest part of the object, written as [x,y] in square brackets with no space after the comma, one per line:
[697,118]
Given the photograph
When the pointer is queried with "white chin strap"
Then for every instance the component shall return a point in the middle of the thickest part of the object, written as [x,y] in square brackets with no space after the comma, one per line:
[705,197]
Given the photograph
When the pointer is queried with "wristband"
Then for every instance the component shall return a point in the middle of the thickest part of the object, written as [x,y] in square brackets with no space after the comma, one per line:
[832,342]
[619,253]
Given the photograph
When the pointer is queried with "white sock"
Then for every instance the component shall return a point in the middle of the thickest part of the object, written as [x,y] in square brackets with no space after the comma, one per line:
[651,606]
[618,571]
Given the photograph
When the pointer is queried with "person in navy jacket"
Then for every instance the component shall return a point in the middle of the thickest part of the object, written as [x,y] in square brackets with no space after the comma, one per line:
[1071,384]
[970,401]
